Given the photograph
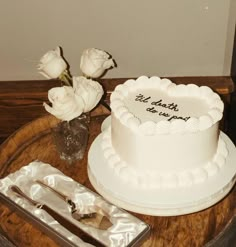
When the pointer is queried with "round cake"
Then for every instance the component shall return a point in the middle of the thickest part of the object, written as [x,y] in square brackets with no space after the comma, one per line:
[163,138]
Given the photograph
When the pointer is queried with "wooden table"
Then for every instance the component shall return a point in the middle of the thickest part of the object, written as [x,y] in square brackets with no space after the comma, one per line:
[21,105]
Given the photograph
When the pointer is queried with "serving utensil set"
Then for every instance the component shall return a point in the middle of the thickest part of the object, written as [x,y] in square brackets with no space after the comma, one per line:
[93,219]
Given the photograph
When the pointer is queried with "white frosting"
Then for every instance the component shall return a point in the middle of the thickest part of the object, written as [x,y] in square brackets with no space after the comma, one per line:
[163,134]
[191,101]
[159,176]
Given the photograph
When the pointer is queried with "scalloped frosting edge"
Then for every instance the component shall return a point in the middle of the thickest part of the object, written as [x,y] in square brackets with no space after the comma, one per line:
[157,180]
[215,113]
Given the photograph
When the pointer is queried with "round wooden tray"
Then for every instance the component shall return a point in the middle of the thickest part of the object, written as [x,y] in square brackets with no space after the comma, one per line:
[211,227]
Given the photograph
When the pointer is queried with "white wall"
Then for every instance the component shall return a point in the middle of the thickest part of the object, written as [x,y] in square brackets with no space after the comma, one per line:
[155,37]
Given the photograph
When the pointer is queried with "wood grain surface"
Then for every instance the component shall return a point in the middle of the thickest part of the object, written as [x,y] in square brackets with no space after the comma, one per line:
[34,141]
[21,101]
[214,226]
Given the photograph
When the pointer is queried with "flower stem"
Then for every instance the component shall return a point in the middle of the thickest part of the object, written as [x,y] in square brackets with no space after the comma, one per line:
[66,78]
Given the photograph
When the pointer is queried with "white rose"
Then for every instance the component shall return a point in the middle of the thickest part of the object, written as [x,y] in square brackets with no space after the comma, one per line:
[52,65]
[94,62]
[90,92]
[65,104]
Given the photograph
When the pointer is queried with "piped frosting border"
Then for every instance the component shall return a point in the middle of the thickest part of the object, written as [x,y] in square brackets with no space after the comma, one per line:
[156,179]
[193,124]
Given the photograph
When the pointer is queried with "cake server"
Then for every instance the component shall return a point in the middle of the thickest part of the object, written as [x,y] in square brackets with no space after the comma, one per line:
[59,218]
[94,219]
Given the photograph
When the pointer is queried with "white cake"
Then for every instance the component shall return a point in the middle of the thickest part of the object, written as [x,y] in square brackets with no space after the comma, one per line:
[163,134]
[163,153]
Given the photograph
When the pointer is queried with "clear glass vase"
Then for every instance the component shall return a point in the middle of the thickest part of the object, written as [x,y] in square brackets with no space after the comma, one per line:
[71,138]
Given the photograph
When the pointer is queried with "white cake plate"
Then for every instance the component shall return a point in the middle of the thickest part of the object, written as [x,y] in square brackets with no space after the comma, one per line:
[160,202]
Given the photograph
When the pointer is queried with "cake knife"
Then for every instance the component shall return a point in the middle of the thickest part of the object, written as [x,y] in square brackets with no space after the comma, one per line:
[94,219]
[59,218]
